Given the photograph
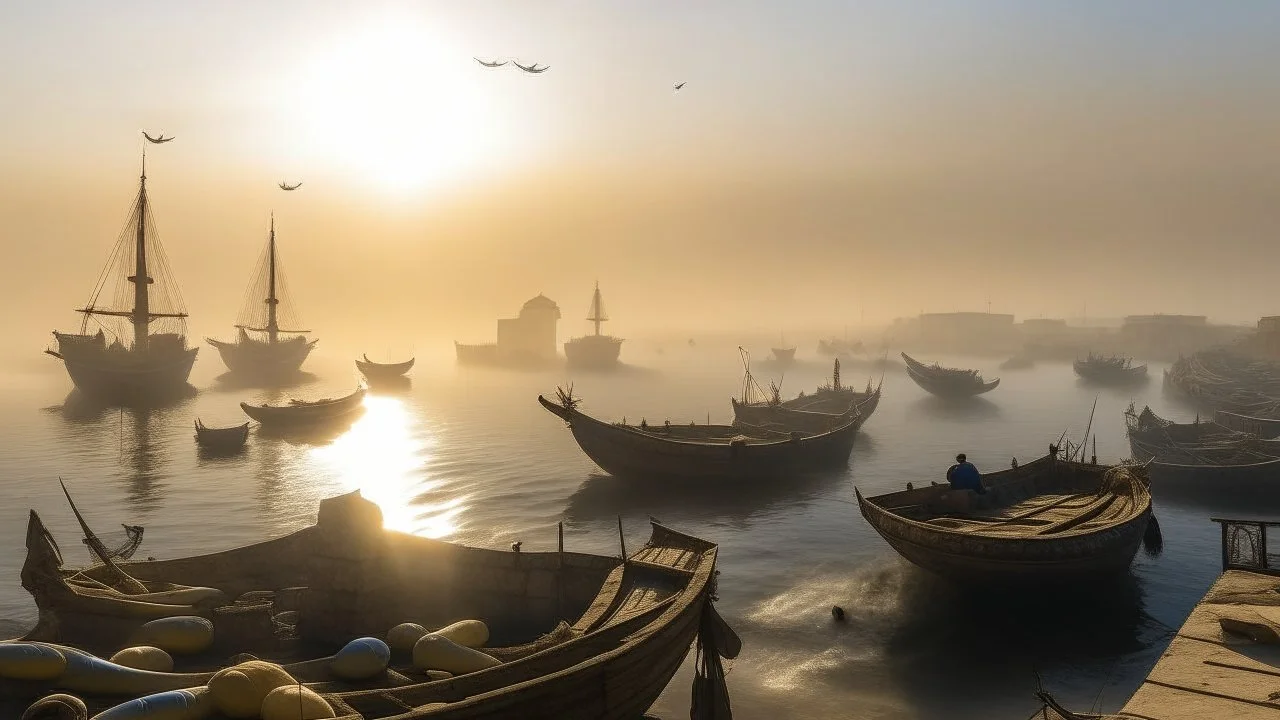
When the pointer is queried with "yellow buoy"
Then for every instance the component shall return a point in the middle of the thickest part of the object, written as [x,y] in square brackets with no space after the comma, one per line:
[238,691]
[181,635]
[27,661]
[468,633]
[144,657]
[436,652]
[402,637]
[295,702]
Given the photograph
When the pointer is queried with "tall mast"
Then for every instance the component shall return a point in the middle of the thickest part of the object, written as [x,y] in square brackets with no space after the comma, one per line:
[273,328]
[141,280]
[596,314]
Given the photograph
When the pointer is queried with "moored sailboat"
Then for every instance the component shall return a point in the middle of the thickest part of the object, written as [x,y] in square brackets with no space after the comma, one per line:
[157,362]
[265,352]
[595,350]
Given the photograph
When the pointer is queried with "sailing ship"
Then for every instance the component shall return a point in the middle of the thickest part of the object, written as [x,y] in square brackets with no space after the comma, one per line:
[157,362]
[596,350]
[268,354]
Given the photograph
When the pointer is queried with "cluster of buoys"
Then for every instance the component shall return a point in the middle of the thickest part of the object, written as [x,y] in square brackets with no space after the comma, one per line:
[250,690]
[453,649]
[253,689]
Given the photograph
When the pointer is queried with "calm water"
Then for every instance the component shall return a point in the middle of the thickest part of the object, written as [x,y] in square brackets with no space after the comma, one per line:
[468,455]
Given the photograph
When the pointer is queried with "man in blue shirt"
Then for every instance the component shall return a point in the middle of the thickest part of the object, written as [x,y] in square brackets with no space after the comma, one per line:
[964,476]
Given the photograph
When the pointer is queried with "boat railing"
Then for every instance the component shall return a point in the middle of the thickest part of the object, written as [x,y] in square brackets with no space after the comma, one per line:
[1244,545]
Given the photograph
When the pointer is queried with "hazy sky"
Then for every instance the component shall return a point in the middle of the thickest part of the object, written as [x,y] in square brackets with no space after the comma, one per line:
[825,159]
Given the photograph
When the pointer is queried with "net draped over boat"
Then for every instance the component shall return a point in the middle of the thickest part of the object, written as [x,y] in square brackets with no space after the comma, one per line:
[113,295]
[255,309]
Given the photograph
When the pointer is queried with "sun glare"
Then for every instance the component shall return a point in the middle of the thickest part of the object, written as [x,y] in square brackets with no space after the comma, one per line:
[398,108]
[383,457]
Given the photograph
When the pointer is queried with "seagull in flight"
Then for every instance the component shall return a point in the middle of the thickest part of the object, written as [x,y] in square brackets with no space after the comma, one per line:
[288,188]
[490,64]
[157,140]
[680,85]
[532,68]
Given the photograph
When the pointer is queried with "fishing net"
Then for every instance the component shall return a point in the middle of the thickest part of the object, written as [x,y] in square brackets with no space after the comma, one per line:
[117,545]
[114,292]
[255,308]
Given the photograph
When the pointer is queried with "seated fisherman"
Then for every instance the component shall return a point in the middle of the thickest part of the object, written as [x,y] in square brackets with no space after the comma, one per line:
[964,476]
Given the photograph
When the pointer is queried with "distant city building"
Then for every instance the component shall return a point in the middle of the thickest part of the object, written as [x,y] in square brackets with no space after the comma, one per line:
[966,331]
[527,338]
[1168,336]
[533,332]
[1266,341]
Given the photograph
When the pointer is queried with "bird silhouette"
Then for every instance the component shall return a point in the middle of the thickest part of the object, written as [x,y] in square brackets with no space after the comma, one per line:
[157,140]
[288,188]
[491,63]
[532,68]
[679,85]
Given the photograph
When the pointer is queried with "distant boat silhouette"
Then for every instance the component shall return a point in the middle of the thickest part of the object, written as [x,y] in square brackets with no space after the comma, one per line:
[267,355]
[597,351]
[156,363]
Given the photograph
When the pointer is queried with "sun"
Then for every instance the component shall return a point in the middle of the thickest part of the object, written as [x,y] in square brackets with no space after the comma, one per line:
[394,106]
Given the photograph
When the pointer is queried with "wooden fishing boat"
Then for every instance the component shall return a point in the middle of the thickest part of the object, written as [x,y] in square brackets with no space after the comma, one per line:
[947,382]
[1048,521]
[830,408]
[271,351]
[703,452]
[157,362]
[224,439]
[1202,457]
[1110,370]
[306,412]
[578,636]
[383,371]
[755,405]
[783,356]
[1265,428]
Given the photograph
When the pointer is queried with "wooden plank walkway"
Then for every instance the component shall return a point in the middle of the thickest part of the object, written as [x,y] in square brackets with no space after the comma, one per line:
[1207,672]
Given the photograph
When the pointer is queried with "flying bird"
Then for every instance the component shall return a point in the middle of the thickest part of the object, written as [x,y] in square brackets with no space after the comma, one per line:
[287,187]
[491,64]
[157,140]
[680,85]
[532,68]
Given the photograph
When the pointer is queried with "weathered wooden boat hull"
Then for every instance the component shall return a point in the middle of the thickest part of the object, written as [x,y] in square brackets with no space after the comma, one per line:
[632,622]
[1265,428]
[1110,375]
[806,420]
[221,439]
[1239,466]
[120,382]
[942,388]
[967,557]
[624,451]
[593,351]
[1252,481]
[305,414]
[260,358]
[384,371]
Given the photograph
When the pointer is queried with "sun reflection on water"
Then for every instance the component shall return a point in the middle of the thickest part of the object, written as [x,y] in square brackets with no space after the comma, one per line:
[384,455]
